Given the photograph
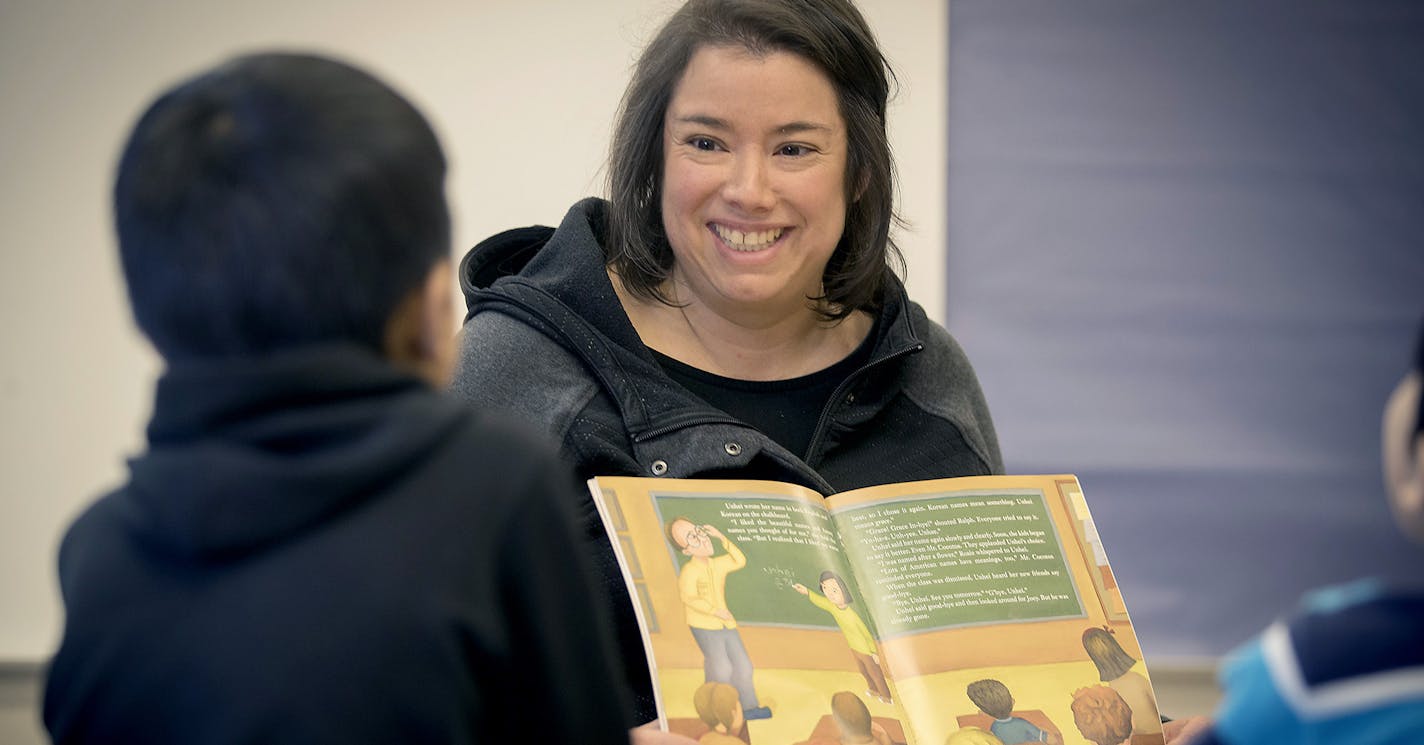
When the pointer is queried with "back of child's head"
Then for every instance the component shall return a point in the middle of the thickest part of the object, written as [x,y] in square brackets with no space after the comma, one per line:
[992,697]
[1101,715]
[851,715]
[716,704]
[1111,659]
[275,201]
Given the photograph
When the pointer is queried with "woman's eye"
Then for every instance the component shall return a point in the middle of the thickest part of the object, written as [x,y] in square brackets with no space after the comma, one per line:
[702,143]
[793,150]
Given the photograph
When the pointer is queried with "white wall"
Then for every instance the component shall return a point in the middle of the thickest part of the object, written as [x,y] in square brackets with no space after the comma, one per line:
[521,91]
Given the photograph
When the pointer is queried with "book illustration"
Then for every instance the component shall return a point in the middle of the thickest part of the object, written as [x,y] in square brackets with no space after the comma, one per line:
[932,605]
[720,707]
[993,698]
[702,583]
[1102,715]
[850,721]
[835,599]
[1115,669]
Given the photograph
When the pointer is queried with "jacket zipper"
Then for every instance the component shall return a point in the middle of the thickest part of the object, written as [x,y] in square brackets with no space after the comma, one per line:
[821,424]
[660,431]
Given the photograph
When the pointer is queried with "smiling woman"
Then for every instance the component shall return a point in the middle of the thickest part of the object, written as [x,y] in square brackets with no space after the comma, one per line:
[730,311]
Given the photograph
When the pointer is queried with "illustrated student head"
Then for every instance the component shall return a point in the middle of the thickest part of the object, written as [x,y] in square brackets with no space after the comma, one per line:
[852,717]
[1102,715]
[1111,660]
[719,707]
[834,588]
[992,697]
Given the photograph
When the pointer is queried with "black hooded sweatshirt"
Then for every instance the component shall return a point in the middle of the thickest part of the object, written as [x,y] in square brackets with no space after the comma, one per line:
[317,548]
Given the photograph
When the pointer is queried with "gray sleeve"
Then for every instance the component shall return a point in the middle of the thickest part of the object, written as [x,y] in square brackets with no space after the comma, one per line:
[941,380]
[506,367]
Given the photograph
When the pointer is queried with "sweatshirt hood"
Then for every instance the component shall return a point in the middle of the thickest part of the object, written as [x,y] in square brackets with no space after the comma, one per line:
[249,451]
[558,271]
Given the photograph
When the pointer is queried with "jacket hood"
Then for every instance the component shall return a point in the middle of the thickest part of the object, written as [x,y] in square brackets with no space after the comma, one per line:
[562,271]
[247,452]
[559,273]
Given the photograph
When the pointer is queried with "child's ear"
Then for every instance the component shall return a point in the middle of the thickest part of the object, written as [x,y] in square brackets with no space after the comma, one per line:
[420,335]
[1403,455]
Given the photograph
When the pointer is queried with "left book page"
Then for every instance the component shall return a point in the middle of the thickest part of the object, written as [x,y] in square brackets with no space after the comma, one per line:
[730,581]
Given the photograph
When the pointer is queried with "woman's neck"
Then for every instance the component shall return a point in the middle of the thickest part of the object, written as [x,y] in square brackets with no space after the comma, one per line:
[744,343]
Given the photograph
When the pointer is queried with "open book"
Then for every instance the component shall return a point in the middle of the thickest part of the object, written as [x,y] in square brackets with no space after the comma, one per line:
[970,610]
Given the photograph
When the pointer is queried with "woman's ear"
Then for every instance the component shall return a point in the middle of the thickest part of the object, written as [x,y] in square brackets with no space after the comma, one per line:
[420,335]
[862,182]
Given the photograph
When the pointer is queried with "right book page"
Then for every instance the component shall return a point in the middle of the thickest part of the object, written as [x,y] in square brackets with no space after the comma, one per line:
[997,611]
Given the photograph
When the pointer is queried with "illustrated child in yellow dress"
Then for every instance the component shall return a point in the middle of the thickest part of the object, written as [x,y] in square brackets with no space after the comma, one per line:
[835,600]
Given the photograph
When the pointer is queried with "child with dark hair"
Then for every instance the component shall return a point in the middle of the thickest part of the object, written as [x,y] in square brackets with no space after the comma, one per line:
[316,546]
[1348,667]
[993,698]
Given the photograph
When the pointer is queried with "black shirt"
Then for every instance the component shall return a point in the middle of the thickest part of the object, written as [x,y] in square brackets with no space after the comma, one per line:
[784,410]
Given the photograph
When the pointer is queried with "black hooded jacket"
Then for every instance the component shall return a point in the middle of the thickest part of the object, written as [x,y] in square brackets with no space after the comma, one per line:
[546,340]
[317,548]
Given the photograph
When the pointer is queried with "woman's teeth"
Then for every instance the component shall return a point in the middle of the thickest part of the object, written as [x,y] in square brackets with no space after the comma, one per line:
[755,240]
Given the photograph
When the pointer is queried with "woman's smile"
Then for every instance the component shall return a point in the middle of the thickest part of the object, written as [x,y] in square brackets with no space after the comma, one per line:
[747,241]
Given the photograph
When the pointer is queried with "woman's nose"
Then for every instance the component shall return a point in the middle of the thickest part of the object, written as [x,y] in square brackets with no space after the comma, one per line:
[747,185]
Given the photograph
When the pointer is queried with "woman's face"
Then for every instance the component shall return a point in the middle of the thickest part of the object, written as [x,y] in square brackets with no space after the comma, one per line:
[753,195]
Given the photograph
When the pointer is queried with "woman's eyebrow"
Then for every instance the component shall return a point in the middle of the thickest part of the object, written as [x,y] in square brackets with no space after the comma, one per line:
[704,120]
[799,127]
[712,122]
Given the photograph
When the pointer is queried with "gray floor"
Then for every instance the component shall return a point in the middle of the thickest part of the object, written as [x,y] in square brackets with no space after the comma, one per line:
[1182,690]
[19,705]
[1185,689]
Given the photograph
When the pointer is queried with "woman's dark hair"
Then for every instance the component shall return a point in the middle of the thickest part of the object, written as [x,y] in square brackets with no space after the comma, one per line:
[830,34]
[275,201]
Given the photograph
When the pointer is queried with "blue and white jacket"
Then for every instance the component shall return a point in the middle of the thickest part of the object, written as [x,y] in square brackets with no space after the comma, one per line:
[1347,670]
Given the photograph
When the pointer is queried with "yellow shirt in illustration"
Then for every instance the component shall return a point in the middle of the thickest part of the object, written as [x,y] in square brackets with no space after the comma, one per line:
[703,586]
[856,634]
